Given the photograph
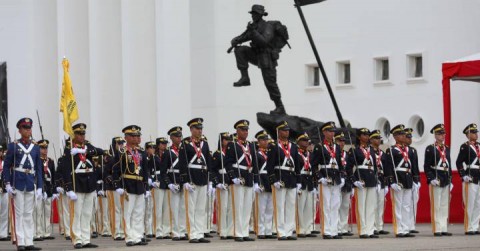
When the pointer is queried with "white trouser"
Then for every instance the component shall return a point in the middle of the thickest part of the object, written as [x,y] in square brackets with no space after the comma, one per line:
[196,214]
[284,199]
[471,199]
[134,214]
[177,205]
[305,211]
[4,209]
[66,214]
[209,210]
[242,201]
[162,212]
[224,213]
[83,208]
[265,214]
[344,213]
[95,215]
[42,228]
[365,200]
[23,202]
[329,204]
[103,215]
[379,209]
[439,200]
[416,196]
[402,210]
[118,225]
[149,214]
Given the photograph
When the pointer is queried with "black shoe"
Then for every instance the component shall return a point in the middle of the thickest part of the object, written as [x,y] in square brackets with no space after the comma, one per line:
[373,236]
[94,235]
[414,232]
[239,239]
[282,238]
[315,232]
[400,236]
[77,246]
[291,238]
[470,233]
[21,248]
[310,235]
[130,244]
[270,237]
[106,235]
[477,232]
[203,240]
[90,245]
[223,238]
[337,237]
[4,239]
[49,238]
[347,234]
[383,232]
[32,248]
[301,236]
[251,232]
[229,237]
[193,241]
[327,237]
[364,236]
[261,237]
[437,234]
[207,235]
[213,232]
[141,243]
[38,239]
[243,81]
[184,238]
[145,240]
[119,238]
[446,233]
[375,232]
[274,234]
[248,239]
[159,237]
[150,236]
[166,237]
[409,235]
[175,238]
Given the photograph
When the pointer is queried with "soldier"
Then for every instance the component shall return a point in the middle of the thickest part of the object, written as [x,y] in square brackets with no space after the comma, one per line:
[416,187]
[160,193]
[177,199]
[283,169]
[44,206]
[469,156]
[22,171]
[439,172]
[263,52]
[361,167]
[130,177]
[224,197]
[239,165]
[64,200]
[307,193]
[327,162]
[265,202]
[81,182]
[347,190]
[402,173]
[375,141]
[195,166]
[3,202]
[150,206]
[102,188]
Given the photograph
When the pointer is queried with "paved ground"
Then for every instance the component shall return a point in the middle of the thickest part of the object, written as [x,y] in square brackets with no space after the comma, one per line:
[423,241]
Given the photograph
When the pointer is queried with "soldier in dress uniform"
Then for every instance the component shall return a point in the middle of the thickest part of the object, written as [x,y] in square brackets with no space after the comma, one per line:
[150,149]
[468,165]
[130,178]
[283,170]
[361,167]
[4,203]
[375,141]
[438,169]
[23,171]
[44,206]
[416,187]
[265,202]
[224,198]
[327,162]
[402,173]
[240,168]
[195,165]
[307,193]
[81,183]
[160,192]
[170,162]
[347,190]
[64,200]
[102,188]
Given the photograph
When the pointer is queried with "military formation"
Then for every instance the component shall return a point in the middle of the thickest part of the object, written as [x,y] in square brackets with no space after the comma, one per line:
[268,188]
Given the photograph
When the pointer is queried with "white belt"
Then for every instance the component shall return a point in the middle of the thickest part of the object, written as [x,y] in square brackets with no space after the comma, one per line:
[328,166]
[99,182]
[197,166]
[222,171]
[246,168]
[402,169]
[157,172]
[263,172]
[173,171]
[306,172]
[364,167]
[440,168]
[48,179]
[89,170]
[473,166]
[285,168]
[25,170]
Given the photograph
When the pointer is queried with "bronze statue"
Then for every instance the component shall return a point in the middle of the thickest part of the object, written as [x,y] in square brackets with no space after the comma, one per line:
[267,40]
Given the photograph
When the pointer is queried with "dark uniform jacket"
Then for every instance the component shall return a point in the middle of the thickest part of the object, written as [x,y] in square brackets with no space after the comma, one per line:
[290,168]
[438,164]
[157,173]
[380,163]
[405,164]
[85,176]
[330,155]
[49,177]
[222,176]
[306,176]
[239,162]
[170,164]
[130,171]
[358,159]
[195,162]
[469,155]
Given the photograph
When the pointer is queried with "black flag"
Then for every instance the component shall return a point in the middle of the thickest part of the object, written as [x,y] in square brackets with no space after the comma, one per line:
[307,2]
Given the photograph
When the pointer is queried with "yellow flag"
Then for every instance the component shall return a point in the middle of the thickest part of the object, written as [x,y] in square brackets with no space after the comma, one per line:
[68,104]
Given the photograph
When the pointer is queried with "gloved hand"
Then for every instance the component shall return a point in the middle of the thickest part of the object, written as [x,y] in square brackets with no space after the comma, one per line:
[60,190]
[120,191]
[236,181]
[74,151]
[172,188]
[101,193]
[352,193]
[149,182]
[44,197]
[221,186]
[466,179]
[299,187]
[10,189]
[451,186]
[39,194]
[277,185]
[396,187]
[323,181]
[155,184]
[378,188]
[385,191]
[416,186]
[188,187]
[55,196]
[72,195]
[358,184]
[435,182]
[342,182]
[315,191]
[256,188]
[148,194]
[210,190]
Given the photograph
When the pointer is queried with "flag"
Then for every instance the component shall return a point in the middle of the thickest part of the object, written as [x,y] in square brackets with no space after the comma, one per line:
[307,2]
[68,104]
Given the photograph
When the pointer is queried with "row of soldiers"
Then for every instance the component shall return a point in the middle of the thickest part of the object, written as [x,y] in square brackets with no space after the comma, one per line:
[271,186]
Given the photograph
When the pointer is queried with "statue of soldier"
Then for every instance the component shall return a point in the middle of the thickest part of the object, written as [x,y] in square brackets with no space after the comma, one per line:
[267,39]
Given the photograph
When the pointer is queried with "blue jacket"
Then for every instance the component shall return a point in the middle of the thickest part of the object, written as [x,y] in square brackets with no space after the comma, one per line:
[23,181]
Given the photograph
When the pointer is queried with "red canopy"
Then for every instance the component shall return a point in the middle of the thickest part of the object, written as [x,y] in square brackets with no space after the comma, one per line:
[467,68]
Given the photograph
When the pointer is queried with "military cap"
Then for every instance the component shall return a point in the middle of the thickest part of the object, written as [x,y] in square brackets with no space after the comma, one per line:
[241,124]
[43,143]
[375,134]
[303,136]
[261,135]
[150,144]
[339,135]
[161,140]
[408,132]
[196,122]
[398,129]
[260,9]
[438,129]
[132,130]
[25,123]
[330,126]
[175,131]
[283,126]
[472,128]
[79,128]
[225,136]
[363,131]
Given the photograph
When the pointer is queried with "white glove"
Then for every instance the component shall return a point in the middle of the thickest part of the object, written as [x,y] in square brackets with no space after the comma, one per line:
[256,188]
[416,186]
[156,184]
[9,189]
[149,182]
[220,186]
[72,195]
[385,191]
[74,151]
[396,187]
[120,191]
[466,179]
[299,187]
[211,190]
[358,184]
[379,188]
[342,182]
[55,196]
[44,195]
[435,182]
[148,194]
[323,181]
[188,187]
[315,191]
[353,193]
[60,190]
[172,188]
[236,181]
[101,193]
[277,184]
[451,186]
[39,194]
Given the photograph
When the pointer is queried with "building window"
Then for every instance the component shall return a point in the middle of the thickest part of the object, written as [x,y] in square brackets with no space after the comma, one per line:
[415,65]
[313,76]
[384,126]
[418,125]
[344,72]
[382,70]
